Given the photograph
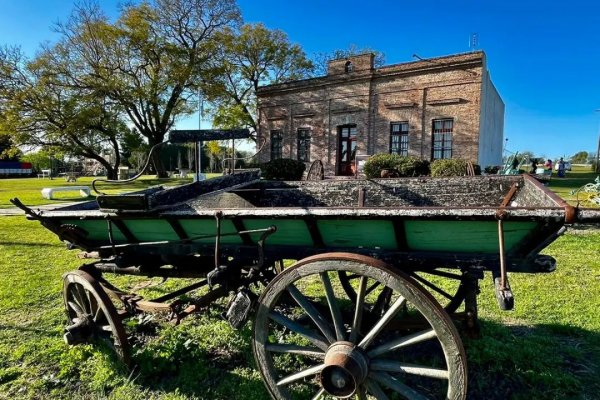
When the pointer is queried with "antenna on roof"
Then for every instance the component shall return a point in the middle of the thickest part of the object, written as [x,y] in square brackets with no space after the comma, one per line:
[473,41]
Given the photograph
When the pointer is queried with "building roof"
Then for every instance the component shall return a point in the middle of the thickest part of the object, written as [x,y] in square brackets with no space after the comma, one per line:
[425,65]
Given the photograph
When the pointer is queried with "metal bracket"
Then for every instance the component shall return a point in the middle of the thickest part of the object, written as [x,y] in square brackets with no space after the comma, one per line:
[504,295]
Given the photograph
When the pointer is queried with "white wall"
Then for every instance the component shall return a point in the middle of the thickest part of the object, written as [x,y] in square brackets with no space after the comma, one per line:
[491,124]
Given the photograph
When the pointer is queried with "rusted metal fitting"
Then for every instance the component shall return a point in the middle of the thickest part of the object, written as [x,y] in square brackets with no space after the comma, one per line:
[346,367]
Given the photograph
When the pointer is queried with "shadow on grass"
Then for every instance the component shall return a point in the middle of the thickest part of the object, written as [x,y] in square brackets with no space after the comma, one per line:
[33,244]
[549,361]
[507,362]
[42,332]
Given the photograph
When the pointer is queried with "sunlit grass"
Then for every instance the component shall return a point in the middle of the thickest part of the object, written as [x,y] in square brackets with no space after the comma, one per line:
[28,190]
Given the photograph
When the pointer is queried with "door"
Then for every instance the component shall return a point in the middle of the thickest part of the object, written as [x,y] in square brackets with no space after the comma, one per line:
[346,149]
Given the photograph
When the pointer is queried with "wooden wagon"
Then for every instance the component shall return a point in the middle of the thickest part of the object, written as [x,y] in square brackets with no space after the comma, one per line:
[384,270]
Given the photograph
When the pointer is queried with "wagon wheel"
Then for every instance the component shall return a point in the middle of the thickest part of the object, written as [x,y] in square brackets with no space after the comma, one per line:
[316,171]
[325,346]
[91,314]
[450,294]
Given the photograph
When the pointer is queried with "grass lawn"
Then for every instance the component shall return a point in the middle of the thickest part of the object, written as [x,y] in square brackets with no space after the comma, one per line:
[574,179]
[547,348]
[28,190]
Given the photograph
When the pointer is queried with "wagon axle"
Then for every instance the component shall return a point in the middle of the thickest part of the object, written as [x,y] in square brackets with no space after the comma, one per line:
[346,367]
[79,332]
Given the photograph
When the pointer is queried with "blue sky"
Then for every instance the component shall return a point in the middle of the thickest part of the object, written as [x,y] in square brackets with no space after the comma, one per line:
[544,57]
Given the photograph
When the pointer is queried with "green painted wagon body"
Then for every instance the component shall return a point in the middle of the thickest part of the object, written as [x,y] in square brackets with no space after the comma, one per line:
[429,222]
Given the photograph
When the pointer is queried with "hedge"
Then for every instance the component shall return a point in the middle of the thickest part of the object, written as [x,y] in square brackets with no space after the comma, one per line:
[405,165]
[452,167]
[283,169]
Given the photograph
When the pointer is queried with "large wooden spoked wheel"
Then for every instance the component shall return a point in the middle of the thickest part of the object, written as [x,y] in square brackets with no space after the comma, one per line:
[91,314]
[312,341]
[446,286]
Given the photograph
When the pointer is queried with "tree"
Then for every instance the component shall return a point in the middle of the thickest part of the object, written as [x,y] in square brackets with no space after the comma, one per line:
[41,109]
[321,60]
[8,152]
[249,58]
[215,150]
[580,157]
[132,142]
[149,61]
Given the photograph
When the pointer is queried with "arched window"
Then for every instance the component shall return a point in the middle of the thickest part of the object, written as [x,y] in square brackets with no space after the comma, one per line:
[349,67]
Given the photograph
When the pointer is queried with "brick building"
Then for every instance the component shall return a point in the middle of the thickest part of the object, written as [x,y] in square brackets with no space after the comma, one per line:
[444,107]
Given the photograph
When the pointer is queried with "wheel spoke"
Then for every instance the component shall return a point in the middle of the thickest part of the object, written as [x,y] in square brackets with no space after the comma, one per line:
[433,287]
[319,394]
[315,369]
[82,296]
[395,366]
[375,390]
[97,313]
[312,336]
[387,317]
[312,312]
[394,384]
[372,287]
[360,301]
[76,296]
[336,314]
[441,273]
[295,349]
[361,393]
[75,307]
[402,342]
[382,300]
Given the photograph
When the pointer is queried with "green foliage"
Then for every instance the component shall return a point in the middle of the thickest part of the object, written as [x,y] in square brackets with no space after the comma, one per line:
[8,152]
[406,166]
[283,169]
[44,159]
[449,167]
[247,59]
[491,169]
[580,157]
[132,141]
[321,60]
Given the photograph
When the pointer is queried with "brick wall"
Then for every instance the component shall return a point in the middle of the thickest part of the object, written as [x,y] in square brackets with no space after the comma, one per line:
[416,92]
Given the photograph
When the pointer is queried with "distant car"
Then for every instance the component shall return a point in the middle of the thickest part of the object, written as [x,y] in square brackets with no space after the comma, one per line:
[567,166]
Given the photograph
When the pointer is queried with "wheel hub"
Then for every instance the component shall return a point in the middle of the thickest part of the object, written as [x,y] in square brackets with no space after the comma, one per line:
[78,332]
[346,367]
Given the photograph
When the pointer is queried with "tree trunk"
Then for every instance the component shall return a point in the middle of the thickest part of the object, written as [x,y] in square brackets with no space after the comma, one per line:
[159,166]
[161,172]
[112,173]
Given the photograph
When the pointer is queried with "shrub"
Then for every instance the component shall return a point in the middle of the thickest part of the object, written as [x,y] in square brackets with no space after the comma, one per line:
[492,169]
[283,169]
[406,166]
[452,167]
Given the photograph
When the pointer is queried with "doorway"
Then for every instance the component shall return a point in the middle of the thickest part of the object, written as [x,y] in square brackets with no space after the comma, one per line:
[346,149]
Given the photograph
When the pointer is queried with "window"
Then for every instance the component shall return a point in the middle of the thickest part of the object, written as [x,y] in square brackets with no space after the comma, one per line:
[442,138]
[304,145]
[399,138]
[276,144]
[349,67]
